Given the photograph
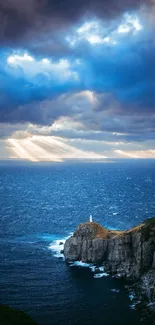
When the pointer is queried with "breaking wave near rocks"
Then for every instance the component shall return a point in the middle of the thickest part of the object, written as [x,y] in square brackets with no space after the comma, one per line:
[57,248]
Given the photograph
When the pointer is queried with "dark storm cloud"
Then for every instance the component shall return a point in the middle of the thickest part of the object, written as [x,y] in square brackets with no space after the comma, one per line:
[34,99]
[121,77]
[41,112]
[124,82]
[127,72]
[107,125]
[7,129]
[21,19]
[124,74]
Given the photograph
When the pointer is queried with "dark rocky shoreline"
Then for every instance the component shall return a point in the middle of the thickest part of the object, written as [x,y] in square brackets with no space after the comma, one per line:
[125,254]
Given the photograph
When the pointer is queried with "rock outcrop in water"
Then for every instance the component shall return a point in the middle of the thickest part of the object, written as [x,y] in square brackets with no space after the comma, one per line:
[129,254]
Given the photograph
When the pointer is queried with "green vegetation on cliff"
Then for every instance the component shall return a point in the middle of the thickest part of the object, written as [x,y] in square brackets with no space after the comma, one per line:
[91,230]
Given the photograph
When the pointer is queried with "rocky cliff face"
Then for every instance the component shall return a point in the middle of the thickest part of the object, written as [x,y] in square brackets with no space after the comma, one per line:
[129,254]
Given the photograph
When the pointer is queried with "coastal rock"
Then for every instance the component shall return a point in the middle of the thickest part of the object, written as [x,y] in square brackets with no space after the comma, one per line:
[129,254]
[147,284]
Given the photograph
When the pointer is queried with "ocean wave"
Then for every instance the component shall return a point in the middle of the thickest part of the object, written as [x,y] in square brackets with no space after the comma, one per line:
[81,264]
[30,239]
[57,246]
[97,270]
[100,275]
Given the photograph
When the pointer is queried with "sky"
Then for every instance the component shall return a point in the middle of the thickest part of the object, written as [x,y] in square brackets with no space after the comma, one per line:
[77,79]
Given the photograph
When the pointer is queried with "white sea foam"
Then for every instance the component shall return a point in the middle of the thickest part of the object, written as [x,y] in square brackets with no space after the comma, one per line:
[80,264]
[133,306]
[93,268]
[97,270]
[115,290]
[101,268]
[134,303]
[100,275]
[131,296]
[57,246]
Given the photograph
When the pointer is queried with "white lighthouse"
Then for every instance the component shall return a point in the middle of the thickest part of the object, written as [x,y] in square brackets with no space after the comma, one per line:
[91,218]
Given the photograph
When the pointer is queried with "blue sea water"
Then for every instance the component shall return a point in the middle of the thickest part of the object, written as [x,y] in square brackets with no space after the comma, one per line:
[40,205]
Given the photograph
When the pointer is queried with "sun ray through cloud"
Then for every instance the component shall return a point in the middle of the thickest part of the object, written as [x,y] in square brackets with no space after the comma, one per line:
[72,83]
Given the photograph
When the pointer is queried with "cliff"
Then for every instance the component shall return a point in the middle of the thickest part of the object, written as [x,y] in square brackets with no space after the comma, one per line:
[129,254]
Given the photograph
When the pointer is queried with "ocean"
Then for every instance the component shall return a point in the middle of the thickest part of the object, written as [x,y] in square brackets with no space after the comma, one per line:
[40,206]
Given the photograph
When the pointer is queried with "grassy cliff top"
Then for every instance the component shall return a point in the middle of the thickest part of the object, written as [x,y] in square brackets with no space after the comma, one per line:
[147,227]
[91,230]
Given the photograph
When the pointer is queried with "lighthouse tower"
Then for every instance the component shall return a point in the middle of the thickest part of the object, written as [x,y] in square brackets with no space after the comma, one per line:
[91,218]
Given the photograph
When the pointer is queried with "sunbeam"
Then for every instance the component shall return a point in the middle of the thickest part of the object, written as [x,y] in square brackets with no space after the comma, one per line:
[42,148]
